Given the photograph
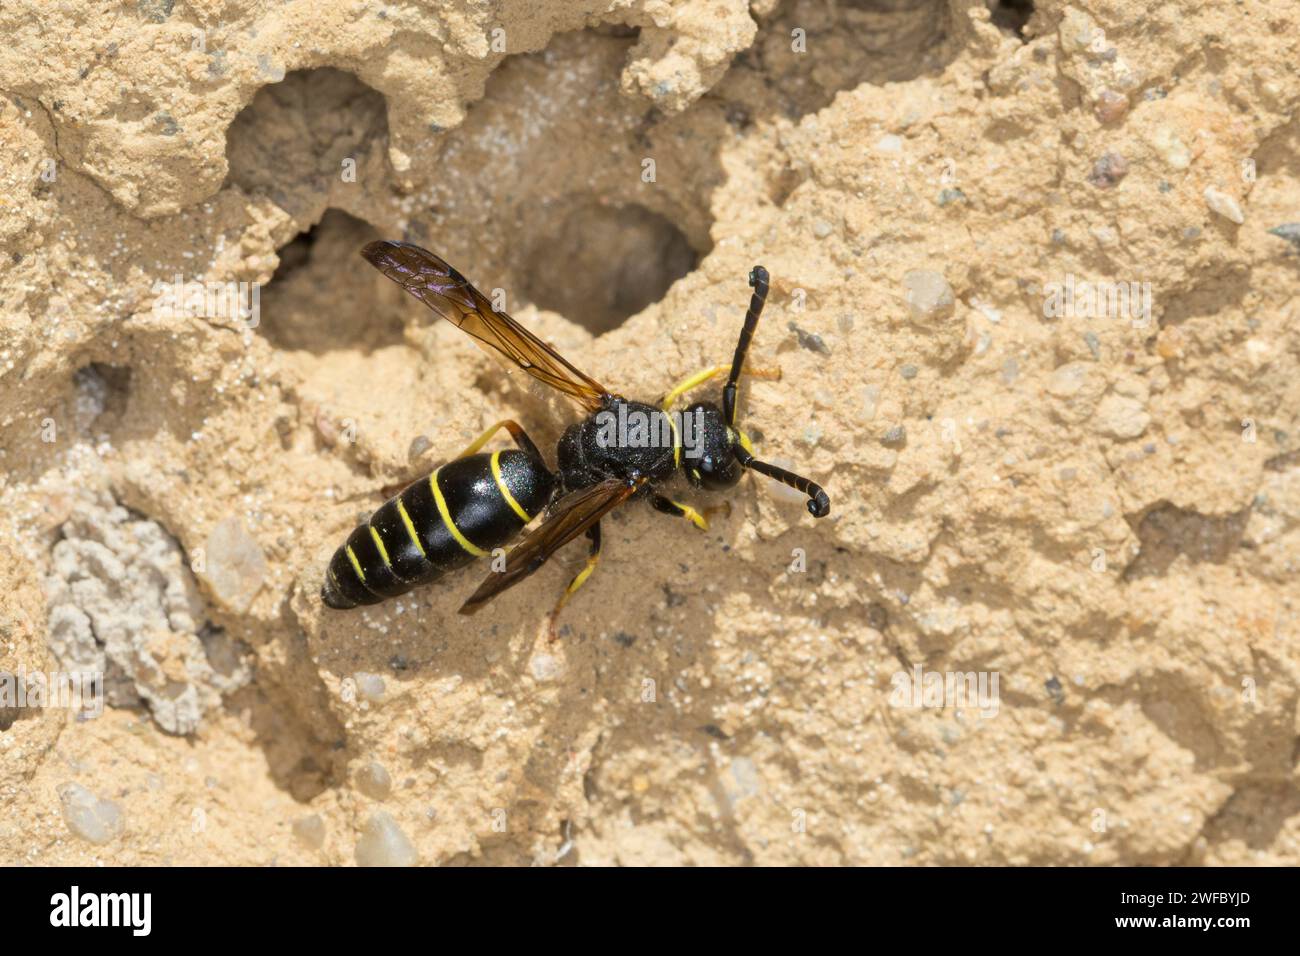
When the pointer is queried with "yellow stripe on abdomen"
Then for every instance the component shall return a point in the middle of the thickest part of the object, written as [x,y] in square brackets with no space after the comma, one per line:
[445,514]
[379,543]
[410,527]
[505,492]
[356,565]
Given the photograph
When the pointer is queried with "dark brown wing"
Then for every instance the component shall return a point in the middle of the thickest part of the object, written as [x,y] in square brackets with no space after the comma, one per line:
[573,514]
[447,292]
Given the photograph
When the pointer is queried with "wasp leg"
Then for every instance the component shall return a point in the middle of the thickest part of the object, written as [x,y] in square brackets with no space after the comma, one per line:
[678,510]
[702,376]
[593,533]
[516,432]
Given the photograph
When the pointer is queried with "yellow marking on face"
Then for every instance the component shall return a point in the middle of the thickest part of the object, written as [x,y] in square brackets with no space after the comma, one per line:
[505,492]
[741,437]
[410,527]
[441,502]
[356,565]
[379,543]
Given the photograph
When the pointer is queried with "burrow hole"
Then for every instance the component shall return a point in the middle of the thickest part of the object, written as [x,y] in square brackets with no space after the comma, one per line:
[1012,16]
[603,264]
[322,296]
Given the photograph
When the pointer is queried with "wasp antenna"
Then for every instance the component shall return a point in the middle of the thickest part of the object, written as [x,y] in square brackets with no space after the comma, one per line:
[758,278]
[819,503]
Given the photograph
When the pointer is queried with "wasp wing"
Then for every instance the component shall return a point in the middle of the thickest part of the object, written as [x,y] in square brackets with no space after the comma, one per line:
[450,294]
[572,516]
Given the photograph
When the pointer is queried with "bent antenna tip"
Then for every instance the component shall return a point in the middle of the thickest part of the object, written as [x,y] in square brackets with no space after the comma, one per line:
[819,506]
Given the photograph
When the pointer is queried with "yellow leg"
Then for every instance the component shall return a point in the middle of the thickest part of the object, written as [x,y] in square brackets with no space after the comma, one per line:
[484,438]
[578,581]
[509,424]
[699,378]
[516,432]
[679,510]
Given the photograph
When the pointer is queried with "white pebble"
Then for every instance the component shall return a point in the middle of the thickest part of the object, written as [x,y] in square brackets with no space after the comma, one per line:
[374,781]
[544,667]
[383,843]
[1122,417]
[310,831]
[89,817]
[369,686]
[1224,205]
[235,563]
[1068,379]
[929,297]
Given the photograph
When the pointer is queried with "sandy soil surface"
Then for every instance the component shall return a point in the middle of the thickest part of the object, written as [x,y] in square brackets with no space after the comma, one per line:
[1035,274]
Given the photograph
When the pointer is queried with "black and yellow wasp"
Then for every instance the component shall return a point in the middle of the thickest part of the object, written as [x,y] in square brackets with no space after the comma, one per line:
[481,501]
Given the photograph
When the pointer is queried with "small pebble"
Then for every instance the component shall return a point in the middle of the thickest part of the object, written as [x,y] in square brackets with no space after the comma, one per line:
[1055,690]
[374,781]
[419,445]
[310,831]
[1106,236]
[947,196]
[1171,148]
[1094,346]
[235,563]
[369,686]
[544,667]
[870,402]
[1068,379]
[908,371]
[1108,171]
[1121,417]
[383,843]
[155,11]
[894,436]
[1224,205]
[1170,342]
[94,820]
[810,340]
[1290,231]
[929,297]
[1110,106]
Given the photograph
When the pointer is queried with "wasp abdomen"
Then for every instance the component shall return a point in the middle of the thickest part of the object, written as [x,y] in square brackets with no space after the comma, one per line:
[462,511]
